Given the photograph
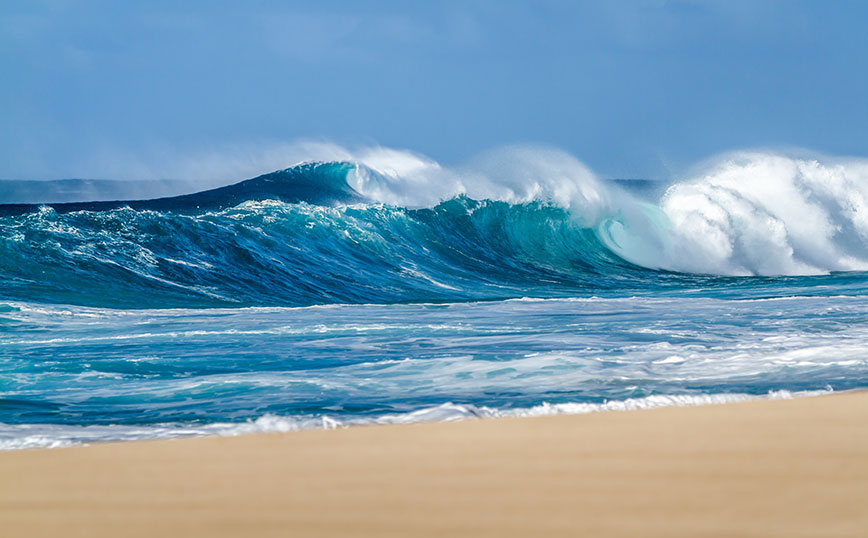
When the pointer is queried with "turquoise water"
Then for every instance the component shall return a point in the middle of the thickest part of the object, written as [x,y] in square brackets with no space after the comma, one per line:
[324,295]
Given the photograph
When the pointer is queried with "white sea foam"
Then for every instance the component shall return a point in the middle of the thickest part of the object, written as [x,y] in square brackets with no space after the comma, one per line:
[761,213]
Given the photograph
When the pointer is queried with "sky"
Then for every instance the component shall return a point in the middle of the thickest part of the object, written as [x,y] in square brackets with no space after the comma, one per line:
[133,90]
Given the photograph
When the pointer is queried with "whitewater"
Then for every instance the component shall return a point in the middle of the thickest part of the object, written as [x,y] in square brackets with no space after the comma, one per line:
[379,286]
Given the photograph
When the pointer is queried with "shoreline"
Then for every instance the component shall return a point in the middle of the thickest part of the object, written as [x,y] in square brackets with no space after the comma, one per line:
[72,436]
[768,467]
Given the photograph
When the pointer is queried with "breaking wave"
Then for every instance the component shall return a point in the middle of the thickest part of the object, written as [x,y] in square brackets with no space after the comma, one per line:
[392,226]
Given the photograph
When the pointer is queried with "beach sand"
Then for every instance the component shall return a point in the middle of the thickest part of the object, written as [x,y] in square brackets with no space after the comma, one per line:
[765,468]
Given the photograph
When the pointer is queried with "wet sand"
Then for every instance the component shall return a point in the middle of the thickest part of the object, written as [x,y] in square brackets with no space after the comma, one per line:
[766,468]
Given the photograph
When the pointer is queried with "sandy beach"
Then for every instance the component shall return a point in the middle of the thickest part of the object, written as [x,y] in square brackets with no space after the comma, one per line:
[765,468]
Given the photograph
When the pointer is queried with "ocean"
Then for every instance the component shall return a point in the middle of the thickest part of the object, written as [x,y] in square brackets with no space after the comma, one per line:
[392,289]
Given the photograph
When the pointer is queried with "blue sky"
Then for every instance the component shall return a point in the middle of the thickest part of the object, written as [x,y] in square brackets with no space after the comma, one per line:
[634,89]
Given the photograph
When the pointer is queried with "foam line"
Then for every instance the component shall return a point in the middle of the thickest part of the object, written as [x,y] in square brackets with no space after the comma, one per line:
[18,437]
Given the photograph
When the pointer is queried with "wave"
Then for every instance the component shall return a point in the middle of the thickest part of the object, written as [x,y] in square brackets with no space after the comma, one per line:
[393,226]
